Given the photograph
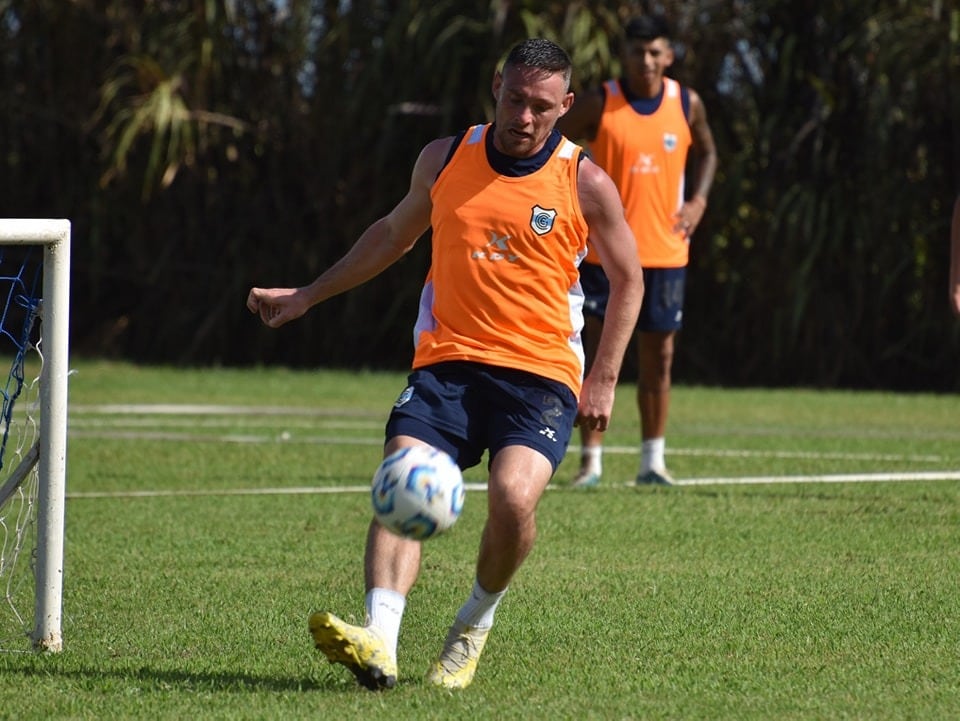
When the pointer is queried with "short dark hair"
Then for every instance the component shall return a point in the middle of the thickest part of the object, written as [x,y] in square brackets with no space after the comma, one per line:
[647,28]
[541,54]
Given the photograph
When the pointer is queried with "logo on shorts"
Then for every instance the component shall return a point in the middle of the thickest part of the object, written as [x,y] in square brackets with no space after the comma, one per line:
[404,397]
[551,415]
[541,220]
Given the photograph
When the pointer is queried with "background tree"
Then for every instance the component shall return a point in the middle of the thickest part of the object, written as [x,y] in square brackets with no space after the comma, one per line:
[202,146]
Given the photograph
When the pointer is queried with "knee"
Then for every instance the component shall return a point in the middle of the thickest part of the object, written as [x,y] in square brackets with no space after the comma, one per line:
[511,517]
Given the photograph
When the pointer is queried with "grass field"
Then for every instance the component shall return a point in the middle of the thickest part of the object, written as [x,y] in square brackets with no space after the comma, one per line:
[806,569]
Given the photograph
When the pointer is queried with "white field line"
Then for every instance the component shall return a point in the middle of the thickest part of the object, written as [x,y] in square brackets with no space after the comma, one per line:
[80,428]
[93,421]
[87,411]
[739,481]
[287,437]
[283,437]
[293,491]
[813,455]
[828,478]
[186,409]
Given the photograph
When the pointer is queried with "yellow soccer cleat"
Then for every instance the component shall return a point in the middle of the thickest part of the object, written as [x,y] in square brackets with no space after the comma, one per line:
[458,660]
[359,648]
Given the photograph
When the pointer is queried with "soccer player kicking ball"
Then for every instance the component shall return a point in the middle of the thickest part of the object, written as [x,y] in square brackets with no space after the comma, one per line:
[498,363]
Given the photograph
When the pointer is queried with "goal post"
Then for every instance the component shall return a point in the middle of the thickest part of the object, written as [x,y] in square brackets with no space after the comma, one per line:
[45,457]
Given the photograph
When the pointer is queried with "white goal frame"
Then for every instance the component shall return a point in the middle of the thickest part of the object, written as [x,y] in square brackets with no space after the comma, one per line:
[54,236]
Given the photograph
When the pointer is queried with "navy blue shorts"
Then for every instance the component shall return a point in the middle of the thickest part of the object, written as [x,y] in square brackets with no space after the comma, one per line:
[596,289]
[662,309]
[663,292]
[467,408]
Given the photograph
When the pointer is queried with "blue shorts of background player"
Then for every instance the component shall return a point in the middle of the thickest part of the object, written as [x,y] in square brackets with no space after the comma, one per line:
[663,291]
[466,408]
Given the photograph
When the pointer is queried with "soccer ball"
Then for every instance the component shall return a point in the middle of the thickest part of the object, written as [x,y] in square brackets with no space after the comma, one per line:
[418,492]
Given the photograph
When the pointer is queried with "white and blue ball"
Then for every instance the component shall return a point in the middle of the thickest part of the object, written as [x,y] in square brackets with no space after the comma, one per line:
[418,492]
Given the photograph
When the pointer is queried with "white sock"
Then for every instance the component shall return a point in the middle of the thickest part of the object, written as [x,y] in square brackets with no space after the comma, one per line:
[651,455]
[384,612]
[478,611]
[591,459]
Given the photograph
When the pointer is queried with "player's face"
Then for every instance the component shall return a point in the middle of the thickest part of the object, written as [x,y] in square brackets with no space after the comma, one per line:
[645,62]
[529,101]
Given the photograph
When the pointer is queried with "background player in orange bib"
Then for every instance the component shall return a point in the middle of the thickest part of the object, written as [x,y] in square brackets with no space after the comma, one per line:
[640,128]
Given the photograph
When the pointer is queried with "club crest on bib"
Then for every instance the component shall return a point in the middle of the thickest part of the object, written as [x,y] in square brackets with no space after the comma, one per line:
[541,220]
[669,141]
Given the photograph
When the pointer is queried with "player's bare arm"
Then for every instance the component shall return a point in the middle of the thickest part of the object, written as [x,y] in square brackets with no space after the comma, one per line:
[617,248]
[705,156]
[380,245]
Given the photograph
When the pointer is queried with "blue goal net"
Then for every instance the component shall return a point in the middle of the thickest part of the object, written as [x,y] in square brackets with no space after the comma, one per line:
[21,271]
[21,306]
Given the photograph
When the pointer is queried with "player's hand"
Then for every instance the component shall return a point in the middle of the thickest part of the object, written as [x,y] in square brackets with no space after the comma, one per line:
[595,406]
[689,216]
[275,306]
[591,422]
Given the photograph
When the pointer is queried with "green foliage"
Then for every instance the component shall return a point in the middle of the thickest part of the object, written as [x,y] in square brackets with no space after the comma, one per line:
[835,236]
[201,148]
[188,584]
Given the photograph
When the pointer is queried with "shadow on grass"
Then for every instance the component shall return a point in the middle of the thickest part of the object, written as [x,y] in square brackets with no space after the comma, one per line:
[159,680]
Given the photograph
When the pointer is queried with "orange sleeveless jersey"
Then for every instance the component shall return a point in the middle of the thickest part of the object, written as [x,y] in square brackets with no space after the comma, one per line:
[503,286]
[646,155]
